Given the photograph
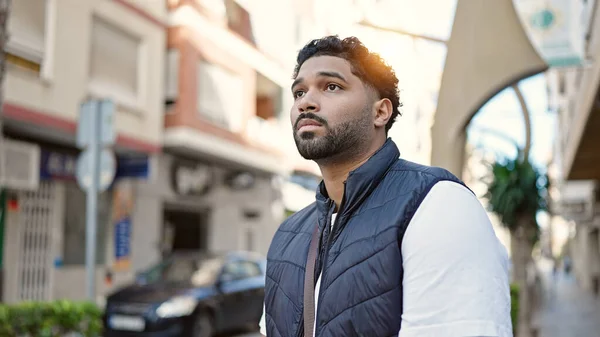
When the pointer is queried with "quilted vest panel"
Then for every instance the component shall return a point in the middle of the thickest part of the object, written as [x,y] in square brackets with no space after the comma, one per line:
[361,262]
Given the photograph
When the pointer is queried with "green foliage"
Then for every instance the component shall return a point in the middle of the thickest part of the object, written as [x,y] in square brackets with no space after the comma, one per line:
[288,213]
[50,319]
[517,190]
[514,304]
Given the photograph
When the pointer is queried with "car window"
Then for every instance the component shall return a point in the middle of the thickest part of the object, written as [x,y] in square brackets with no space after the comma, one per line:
[179,270]
[208,273]
[184,270]
[238,270]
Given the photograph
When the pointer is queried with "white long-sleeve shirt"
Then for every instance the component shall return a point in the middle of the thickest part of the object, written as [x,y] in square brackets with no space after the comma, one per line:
[455,270]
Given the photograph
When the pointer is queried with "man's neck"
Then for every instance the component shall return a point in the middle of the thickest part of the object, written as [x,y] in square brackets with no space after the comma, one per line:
[335,173]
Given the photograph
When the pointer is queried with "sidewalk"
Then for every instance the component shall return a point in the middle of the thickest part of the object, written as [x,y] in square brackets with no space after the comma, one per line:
[567,311]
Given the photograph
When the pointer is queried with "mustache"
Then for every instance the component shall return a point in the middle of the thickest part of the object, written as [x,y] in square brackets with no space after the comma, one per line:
[310,115]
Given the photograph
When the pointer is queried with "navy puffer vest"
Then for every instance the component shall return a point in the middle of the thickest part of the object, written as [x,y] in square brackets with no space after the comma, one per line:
[361,284]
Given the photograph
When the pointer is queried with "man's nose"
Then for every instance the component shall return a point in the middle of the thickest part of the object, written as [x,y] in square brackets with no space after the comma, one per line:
[308,103]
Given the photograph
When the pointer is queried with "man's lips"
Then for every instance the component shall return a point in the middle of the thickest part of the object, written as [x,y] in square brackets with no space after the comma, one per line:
[308,124]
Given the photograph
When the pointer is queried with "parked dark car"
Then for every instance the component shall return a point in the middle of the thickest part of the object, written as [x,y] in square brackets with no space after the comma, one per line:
[190,294]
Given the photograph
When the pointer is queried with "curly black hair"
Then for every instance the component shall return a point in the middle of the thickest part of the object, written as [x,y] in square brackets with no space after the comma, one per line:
[366,65]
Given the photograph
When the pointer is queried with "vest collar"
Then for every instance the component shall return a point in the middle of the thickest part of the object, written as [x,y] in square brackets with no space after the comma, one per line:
[361,181]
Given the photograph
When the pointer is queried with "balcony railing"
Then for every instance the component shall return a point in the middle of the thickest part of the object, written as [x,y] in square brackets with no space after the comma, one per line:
[265,132]
[578,211]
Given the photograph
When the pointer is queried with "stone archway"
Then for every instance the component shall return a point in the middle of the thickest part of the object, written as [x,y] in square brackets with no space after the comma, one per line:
[488,51]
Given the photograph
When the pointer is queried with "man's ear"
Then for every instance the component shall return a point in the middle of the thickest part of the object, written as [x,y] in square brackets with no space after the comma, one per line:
[383,112]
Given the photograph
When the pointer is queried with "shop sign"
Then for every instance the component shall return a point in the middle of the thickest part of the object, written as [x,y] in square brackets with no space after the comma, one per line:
[556,28]
[133,167]
[190,178]
[240,180]
[55,165]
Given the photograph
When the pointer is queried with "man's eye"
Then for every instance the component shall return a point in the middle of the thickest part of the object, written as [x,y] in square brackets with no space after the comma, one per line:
[333,87]
[298,94]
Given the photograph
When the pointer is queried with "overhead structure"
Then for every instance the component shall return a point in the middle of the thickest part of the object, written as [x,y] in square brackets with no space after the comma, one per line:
[488,51]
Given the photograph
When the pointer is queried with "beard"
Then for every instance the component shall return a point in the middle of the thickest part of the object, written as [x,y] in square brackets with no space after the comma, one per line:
[343,140]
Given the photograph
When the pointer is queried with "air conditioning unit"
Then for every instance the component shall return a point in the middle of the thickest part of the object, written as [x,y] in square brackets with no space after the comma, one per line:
[20,165]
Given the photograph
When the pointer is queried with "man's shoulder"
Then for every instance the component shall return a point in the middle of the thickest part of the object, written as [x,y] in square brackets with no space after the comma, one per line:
[428,172]
[422,179]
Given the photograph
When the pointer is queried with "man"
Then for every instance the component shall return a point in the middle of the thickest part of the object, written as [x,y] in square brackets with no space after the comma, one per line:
[400,248]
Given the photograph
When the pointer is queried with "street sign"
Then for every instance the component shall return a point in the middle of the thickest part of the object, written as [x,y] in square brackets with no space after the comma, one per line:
[107,170]
[88,120]
[96,170]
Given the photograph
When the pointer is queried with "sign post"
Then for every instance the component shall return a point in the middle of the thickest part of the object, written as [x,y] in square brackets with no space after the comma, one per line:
[96,168]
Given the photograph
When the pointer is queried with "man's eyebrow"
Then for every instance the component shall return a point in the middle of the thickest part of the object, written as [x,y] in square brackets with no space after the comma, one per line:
[322,74]
[298,80]
[332,74]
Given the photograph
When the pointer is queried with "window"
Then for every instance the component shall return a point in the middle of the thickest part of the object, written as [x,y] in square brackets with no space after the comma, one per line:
[114,63]
[268,98]
[265,108]
[561,83]
[172,78]
[182,269]
[220,95]
[240,270]
[571,111]
[27,29]
[75,224]
[238,20]
[578,77]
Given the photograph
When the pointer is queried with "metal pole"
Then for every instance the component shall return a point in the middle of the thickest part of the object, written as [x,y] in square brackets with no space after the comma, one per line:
[92,205]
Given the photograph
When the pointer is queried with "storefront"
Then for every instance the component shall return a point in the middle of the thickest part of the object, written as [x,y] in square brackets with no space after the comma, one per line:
[211,207]
[44,226]
[156,205]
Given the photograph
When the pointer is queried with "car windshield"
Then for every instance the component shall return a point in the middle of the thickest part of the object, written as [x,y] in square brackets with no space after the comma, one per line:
[198,271]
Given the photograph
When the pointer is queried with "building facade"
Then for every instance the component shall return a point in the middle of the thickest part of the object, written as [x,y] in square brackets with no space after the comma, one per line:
[574,96]
[223,111]
[60,54]
[204,148]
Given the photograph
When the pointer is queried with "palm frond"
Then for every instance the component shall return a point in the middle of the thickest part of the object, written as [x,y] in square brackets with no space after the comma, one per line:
[517,189]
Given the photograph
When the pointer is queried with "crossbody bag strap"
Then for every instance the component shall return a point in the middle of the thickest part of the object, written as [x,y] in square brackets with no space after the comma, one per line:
[309,284]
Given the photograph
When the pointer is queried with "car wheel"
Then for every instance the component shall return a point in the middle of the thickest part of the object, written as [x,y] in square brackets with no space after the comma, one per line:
[203,325]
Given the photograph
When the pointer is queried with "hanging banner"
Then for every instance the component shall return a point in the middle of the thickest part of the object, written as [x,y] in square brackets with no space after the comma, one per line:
[122,215]
[556,28]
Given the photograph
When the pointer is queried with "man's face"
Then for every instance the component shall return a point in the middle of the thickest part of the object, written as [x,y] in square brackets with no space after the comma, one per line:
[332,113]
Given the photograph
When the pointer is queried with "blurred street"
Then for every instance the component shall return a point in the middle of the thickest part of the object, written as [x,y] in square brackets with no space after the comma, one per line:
[567,310]
[179,111]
